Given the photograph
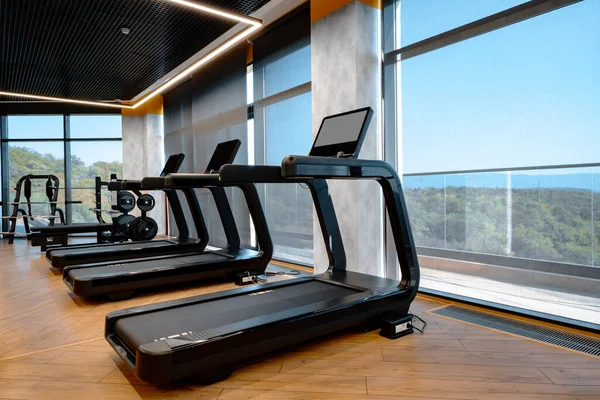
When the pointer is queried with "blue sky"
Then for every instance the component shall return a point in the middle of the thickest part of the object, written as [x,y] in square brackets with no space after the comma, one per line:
[525,95]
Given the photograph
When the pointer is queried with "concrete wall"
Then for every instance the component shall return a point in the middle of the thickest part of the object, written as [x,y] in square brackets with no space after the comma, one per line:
[143,155]
[346,74]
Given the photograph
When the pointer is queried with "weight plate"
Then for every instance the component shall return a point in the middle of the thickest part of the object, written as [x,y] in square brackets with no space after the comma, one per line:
[123,223]
[145,202]
[125,201]
[143,228]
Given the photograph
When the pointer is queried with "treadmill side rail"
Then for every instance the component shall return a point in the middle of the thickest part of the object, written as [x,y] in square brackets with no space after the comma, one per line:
[302,167]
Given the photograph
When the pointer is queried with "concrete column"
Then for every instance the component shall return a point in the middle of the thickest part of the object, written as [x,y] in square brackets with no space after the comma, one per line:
[346,74]
[143,150]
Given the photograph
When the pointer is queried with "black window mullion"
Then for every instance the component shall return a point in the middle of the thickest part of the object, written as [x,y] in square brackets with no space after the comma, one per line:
[482,26]
[4,169]
[67,167]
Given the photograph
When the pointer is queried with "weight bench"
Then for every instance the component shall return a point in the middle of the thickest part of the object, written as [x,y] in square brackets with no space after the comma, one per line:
[59,235]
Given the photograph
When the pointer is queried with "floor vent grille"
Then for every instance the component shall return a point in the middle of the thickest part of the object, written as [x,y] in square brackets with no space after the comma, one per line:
[557,337]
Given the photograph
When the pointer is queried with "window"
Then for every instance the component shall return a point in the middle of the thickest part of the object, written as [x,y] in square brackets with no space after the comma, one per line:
[497,137]
[96,126]
[41,144]
[422,19]
[283,126]
[35,127]
[90,159]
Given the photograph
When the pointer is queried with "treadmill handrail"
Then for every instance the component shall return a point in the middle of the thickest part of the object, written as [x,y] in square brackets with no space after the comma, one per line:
[303,167]
[189,181]
[332,237]
[125,184]
[180,181]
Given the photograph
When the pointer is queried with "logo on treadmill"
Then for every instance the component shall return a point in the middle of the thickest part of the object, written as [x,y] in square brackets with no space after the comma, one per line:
[261,292]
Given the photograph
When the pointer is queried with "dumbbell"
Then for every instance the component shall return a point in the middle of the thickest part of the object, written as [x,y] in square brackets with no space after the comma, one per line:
[123,222]
[143,228]
[125,201]
[146,202]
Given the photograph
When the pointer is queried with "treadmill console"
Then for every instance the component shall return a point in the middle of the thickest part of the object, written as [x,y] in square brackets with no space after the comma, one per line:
[224,153]
[342,135]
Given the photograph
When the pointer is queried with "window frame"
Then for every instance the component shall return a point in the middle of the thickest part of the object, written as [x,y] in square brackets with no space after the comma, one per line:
[260,103]
[393,55]
[66,140]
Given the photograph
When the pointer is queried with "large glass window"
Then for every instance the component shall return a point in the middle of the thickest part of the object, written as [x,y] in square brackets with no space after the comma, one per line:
[283,125]
[40,144]
[498,137]
[422,19]
[95,126]
[35,127]
[90,159]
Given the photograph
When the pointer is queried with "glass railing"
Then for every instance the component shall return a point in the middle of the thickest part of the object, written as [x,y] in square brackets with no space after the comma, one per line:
[549,213]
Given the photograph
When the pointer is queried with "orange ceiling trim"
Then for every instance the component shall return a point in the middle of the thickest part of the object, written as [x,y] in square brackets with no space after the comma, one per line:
[322,8]
[152,106]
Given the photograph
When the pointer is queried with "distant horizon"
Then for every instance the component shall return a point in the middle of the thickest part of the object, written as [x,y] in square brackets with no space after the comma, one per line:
[495,180]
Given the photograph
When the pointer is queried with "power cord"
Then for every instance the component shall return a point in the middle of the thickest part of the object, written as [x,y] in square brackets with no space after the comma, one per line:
[259,279]
[247,278]
[422,329]
[290,272]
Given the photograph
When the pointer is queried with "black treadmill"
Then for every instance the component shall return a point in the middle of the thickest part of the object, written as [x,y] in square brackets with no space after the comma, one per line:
[93,253]
[207,336]
[120,280]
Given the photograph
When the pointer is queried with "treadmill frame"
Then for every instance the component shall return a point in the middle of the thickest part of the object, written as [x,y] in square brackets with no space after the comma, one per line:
[218,352]
[235,260]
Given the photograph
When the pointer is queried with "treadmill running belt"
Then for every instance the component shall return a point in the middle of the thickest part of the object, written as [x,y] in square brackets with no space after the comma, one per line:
[112,248]
[144,328]
[137,267]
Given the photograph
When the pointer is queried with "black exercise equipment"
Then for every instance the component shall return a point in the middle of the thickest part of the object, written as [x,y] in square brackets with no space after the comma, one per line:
[146,202]
[120,280]
[102,252]
[208,336]
[143,228]
[123,222]
[58,236]
[24,187]
[125,201]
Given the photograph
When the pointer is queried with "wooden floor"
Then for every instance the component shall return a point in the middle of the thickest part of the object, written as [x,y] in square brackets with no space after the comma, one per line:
[51,347]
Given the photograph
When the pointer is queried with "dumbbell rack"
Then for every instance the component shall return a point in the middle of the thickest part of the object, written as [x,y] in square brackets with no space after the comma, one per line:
[134,228]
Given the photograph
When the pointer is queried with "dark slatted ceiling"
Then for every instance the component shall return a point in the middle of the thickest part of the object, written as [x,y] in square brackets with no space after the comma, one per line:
[75,48]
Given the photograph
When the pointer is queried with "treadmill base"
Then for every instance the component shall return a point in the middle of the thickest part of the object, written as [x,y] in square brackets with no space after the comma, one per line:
[209,378]
[119,296]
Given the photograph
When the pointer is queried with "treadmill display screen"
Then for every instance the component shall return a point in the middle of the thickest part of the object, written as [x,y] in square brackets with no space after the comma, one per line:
[341,129]
[224,153]
[342,133]
[173,164]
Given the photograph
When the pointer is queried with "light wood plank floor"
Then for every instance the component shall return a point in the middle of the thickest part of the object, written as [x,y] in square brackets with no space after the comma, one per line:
[51,347]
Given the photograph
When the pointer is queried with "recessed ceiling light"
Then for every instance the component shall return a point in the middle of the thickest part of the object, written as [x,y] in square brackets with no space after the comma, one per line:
[254,23]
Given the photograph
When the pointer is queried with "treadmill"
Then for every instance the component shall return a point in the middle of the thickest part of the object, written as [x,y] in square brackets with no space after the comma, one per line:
[207,336]
[93,253]
[120,280]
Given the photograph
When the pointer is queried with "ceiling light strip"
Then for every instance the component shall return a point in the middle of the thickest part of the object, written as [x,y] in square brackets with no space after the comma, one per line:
[64,100]
[219,12]
[226,45]
[254,23]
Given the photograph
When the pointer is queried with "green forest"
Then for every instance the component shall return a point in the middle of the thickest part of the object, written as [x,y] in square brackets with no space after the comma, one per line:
[24,161]
[547,224]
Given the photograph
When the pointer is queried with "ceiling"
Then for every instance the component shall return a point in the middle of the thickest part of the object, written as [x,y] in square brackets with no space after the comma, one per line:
[75,48]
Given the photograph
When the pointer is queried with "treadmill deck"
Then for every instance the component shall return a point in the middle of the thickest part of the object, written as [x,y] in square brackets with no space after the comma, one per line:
[180,322]
[137,267]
